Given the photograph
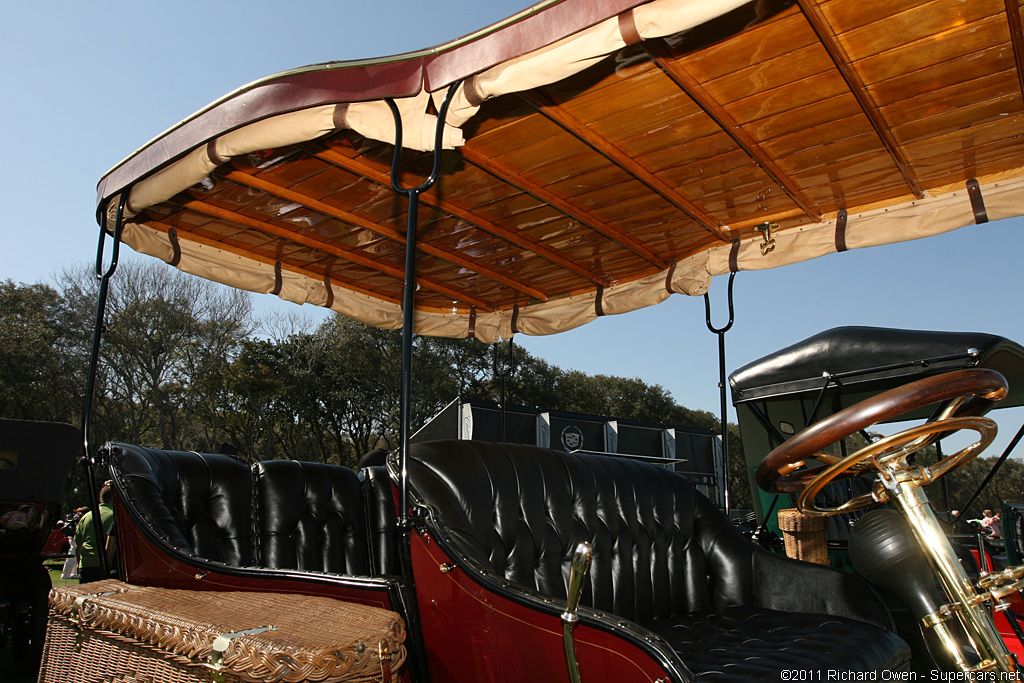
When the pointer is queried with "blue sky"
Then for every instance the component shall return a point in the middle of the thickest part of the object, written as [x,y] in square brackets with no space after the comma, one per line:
[85,84]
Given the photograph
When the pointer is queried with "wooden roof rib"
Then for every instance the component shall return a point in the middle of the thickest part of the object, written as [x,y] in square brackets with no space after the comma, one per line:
[384,231]
[681,77]
[598,157]
[267,260]
[579,129]
[384,180]
[828,39]
[329,249]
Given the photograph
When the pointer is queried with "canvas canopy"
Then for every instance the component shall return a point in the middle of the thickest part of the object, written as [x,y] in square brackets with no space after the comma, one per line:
[598,156]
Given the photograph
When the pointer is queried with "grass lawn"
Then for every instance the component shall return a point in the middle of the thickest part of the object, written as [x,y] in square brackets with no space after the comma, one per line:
[7,673]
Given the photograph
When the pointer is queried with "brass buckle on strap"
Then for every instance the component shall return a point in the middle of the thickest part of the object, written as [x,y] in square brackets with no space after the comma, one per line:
[384,654]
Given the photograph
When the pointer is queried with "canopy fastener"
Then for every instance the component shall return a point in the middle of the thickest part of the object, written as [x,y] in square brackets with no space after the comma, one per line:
[768,246]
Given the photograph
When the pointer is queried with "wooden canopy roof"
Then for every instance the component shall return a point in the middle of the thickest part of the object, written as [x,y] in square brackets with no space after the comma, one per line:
[579,180]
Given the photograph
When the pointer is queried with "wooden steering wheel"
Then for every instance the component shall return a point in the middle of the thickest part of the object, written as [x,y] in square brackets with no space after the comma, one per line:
[969,392]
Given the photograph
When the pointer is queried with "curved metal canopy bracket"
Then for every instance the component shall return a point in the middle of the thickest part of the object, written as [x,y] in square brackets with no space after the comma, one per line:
[720,331]
[103,275]
[412,194]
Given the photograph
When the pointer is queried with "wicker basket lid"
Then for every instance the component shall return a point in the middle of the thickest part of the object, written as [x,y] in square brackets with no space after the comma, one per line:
[265,637]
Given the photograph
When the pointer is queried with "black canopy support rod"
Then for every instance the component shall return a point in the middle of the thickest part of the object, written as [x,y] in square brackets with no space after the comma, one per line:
[89,459]
[720,331]
[412,194]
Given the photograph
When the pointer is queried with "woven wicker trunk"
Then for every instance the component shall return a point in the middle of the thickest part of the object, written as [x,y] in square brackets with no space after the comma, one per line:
[110,632]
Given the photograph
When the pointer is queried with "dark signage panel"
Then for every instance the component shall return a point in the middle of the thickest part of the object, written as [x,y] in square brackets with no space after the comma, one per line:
[698,450]
[636,440]
[573,434]
[519,427]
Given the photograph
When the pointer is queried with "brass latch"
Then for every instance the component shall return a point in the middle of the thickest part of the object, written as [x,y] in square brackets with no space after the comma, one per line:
[768,245]
[215,660]
[384,655]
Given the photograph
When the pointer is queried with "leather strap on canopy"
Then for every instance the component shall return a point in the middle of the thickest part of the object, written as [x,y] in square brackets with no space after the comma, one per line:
[841,230]
[977,201]
[172,235]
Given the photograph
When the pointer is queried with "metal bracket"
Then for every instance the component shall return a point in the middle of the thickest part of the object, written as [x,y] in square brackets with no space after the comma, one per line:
[501,374]
[768,245]
[412,195]
[720,331]
[103,276]
[215,660]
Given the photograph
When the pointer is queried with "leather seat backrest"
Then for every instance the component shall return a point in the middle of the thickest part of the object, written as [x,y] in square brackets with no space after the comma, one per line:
[381,520]
[310,516]
[199,503]
[660,548]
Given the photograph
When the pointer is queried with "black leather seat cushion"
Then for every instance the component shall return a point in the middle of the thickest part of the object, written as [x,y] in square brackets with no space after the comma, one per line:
[837,493]
[280,514]
[200,503]
[381,520]
[663,555]
[750,644]
[310,516]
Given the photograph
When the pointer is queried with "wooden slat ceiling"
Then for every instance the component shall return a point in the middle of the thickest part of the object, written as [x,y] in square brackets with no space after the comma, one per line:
[668,148]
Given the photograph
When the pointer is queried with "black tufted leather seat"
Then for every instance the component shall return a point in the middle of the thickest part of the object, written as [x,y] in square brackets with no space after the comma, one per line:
[310,516]
[200,503]
[837,493]
[281,514]
[664,558]
[381,520]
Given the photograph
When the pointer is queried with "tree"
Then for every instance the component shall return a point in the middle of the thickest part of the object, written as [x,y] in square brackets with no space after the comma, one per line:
[167,333]
[41,363]
[181,368]
[961,483]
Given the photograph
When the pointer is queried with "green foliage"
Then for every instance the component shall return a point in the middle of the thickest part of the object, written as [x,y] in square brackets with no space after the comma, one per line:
[182,368]
[1006,485]
[41,363]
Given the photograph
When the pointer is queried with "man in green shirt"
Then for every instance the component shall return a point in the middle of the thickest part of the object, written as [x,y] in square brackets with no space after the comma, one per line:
[89,568]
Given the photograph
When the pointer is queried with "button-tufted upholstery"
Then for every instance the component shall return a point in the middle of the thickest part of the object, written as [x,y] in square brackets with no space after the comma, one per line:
[310,516]
[837,493]
[281,514]
[663,557]
[381,520]
[198,503]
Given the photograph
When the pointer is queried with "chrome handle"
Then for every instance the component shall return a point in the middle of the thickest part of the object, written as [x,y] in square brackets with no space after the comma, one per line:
[577,574]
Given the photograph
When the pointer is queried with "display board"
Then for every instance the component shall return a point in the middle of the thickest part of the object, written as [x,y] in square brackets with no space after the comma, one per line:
[692,451]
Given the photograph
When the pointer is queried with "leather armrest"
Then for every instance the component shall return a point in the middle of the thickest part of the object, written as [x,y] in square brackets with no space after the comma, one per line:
[788,585]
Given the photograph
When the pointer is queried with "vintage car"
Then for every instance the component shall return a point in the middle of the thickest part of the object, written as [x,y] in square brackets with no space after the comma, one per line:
[791,389]
[35,460]
[581,159]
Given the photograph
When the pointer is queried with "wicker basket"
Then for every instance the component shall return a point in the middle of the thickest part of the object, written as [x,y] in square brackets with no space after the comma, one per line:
[804,536]
[111,632]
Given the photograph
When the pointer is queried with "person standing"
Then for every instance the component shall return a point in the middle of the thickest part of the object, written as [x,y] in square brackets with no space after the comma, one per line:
[89,567]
